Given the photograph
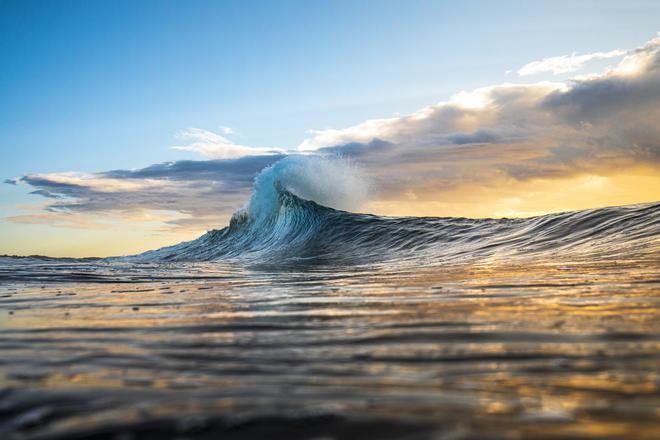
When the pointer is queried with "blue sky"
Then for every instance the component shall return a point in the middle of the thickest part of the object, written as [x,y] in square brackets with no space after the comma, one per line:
[100,85]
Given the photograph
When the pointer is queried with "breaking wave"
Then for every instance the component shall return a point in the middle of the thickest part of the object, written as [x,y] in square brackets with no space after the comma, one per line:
[299,212]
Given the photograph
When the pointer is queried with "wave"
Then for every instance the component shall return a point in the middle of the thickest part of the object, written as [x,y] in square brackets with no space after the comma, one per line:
[298,214]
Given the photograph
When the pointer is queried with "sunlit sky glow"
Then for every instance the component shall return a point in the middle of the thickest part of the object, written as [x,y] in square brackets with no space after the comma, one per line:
[126,126]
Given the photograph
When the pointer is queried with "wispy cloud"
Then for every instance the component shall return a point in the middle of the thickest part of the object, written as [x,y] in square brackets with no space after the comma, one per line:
[215,146]
[566,63]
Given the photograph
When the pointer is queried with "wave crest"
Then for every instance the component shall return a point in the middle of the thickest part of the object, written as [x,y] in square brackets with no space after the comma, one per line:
[332,182]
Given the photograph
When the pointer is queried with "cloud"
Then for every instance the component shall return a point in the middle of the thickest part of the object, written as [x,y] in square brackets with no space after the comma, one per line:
[10,181]
[203,193]
[596,124]
[566,63]
[215,146]
[633,61]
[240,170]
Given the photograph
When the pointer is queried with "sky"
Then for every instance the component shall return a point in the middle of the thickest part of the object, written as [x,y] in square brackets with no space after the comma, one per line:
[126,126]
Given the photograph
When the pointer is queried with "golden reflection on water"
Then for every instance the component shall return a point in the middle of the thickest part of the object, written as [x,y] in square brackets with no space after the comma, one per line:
[519,351]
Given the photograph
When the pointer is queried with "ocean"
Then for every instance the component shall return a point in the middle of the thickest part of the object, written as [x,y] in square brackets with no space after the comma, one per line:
[303,321]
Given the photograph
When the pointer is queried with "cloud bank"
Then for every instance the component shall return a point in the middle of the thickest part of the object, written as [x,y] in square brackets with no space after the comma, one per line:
[188,194]
[515,131]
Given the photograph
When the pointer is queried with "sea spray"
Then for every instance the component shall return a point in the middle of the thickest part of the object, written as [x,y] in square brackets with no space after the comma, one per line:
[329,181]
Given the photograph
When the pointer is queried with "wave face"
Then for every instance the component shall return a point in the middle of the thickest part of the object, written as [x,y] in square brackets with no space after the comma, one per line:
[289,220]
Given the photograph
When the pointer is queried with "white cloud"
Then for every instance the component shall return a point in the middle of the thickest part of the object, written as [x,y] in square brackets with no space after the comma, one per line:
[464,112]
[566,63]
[215,146]
[639,59]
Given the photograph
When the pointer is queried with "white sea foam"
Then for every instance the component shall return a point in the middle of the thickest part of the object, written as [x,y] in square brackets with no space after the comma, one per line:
[329,181]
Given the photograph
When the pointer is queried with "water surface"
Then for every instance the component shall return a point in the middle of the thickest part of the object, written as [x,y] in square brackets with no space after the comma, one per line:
[308,322]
